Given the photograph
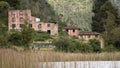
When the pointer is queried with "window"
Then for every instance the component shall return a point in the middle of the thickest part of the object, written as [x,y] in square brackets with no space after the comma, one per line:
[21,19]
[39,26]
[73,30]
[48,31]
[96,36]
[13,19]
[13,26]
[21,25]
[30,25]
[13,14]
[30,19]
[88,36]
[48,25]
[21,13]
[67,30]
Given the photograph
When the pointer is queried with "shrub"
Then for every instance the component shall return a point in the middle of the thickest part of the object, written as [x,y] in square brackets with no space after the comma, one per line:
[84,48]
[95,45]
[68,44]
[110,48]
[41,36]
[16,38]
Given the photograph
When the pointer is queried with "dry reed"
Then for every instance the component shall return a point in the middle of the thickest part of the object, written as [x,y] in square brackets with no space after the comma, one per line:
[12,59]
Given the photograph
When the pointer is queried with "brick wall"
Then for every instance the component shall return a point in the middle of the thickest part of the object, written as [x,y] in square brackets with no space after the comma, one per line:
[17,17]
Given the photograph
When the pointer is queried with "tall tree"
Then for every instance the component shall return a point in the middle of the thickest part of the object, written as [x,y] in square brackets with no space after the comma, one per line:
[4,6]
[3,36]
[107,21]
[13,3]
[102,9]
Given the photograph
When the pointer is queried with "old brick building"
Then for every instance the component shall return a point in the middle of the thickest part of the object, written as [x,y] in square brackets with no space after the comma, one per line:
[84,36]
[16,19]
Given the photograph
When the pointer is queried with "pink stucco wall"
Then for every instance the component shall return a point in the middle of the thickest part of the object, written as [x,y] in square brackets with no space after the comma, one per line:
[26,15]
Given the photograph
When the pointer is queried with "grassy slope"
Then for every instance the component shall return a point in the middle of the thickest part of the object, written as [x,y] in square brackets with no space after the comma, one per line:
[75,11]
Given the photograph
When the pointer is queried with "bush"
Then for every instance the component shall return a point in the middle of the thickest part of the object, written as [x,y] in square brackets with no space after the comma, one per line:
[95,45]
[41,36]
[84,48]
[67,44]
[16,38]
[109,48]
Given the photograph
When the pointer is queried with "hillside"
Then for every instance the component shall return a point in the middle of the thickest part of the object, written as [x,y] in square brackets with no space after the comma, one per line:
[76,12]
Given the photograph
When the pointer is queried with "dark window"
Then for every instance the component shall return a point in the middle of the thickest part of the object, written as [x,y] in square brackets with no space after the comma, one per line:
[88,36]
[39,26]
[21,25]
[67,30]
[30,25]
[49,31]
[21,19]
[13,19]
[96,36]
[48,25]
[73,30]
[13,26]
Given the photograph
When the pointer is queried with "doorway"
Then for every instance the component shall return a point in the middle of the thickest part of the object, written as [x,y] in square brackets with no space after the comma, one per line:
[49,31]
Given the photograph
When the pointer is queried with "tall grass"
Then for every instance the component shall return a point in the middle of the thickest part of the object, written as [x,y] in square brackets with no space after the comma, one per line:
[29,59]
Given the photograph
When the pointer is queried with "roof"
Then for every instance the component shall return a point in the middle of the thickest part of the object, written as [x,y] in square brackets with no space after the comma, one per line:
[19,9]
[89,33]
[71,27]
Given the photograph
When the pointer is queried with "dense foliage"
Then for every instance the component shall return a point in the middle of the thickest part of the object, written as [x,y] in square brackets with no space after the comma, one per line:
[41,36]
[107,21]
[105,13]
[68,44]
[3,36]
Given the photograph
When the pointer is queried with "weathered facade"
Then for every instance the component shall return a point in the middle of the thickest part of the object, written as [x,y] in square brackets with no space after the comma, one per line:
[16,18]
[84,36]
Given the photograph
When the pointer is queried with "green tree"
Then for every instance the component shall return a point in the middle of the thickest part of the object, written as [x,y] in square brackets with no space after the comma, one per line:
[27,34]
[3,36]
[115,37]
[102,9]
[13,3]
[24,37]
[15,38]
[4,6]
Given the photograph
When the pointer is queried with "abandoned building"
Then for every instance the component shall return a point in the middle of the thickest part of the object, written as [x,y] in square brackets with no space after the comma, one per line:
[84,36]
[16,18]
